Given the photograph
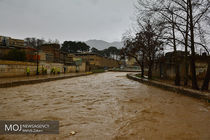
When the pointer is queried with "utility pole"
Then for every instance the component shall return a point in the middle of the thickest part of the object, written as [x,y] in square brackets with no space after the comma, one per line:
[37,61]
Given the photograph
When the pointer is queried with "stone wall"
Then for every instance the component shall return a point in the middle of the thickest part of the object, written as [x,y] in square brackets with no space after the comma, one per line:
[18,68]
[97,61]
[15,68]
[167,71]
[50,66]
[81,68]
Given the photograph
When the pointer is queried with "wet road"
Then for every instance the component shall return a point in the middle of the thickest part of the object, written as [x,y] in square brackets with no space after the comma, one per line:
[106,106]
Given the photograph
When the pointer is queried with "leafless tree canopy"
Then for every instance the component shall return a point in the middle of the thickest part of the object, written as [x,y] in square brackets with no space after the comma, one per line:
[174,24]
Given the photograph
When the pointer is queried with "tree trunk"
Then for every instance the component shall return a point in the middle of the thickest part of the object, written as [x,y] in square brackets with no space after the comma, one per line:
[206,80]
[177,73]
[150,69]
[37,62]
[142,66]
[177,79]
[186,53]
[193,68]
[142,70]
[160,67]
[150,72]
[186,72]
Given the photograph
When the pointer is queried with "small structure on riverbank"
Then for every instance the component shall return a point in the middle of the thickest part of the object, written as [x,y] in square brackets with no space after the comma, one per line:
[164,67]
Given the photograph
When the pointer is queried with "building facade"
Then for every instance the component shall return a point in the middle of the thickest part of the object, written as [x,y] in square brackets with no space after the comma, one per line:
[96,61]
[52,52]
[11,42]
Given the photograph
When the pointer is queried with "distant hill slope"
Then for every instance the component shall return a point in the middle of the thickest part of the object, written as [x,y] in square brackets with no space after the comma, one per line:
[100,44]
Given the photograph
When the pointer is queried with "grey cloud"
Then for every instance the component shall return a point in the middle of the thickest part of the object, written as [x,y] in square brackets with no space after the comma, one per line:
[66,19]
[94,1]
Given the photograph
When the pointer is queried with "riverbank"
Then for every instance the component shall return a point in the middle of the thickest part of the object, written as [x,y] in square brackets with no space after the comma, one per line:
[124,70]
[17,81]
[178,89]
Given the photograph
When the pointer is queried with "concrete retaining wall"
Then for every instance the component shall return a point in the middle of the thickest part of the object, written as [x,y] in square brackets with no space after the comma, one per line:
[49,66]
[18,68]
[124,70]
[186,91]
[81,68]
[15,68]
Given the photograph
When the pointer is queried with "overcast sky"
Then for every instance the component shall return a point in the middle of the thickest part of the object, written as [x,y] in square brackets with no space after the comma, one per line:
[66,19]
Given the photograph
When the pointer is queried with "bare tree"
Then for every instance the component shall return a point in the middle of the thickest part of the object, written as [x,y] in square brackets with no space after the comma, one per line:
[145,45]
[181,16]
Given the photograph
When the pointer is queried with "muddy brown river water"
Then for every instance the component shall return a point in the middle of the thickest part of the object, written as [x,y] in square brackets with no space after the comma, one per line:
[106,106]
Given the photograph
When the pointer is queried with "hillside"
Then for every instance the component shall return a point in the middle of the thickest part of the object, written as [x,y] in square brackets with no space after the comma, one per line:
[100,44]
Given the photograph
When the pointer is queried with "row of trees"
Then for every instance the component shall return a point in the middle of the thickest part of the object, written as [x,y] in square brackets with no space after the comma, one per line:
[74,47]
[174,24]
[111,52]
[37,42]
[67,46]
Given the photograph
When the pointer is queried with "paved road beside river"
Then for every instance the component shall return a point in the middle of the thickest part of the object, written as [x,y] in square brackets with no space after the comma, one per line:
[106,106]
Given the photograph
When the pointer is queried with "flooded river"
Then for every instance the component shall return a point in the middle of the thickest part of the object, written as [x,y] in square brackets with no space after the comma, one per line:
[106,106]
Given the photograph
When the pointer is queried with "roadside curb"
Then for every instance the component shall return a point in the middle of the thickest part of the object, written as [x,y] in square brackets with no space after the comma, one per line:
[123,71]
[35,81]
[181,90]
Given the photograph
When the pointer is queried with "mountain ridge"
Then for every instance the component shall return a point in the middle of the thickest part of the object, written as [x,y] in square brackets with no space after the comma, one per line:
[101,44]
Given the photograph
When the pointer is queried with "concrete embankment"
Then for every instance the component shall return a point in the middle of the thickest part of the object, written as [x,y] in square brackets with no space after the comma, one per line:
[124,70]
[181,90]
[33,80]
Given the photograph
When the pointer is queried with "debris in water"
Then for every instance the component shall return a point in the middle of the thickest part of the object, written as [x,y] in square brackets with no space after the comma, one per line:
[72,133]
